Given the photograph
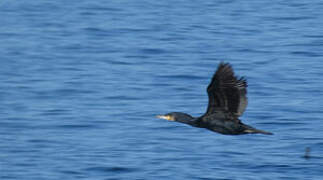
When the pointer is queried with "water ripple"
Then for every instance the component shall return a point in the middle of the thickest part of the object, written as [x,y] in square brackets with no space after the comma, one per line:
[81,82]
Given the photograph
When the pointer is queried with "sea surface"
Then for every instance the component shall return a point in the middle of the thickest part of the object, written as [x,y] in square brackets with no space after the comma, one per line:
[82,81]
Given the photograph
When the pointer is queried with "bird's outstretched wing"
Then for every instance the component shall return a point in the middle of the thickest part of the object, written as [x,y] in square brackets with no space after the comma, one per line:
[227,92]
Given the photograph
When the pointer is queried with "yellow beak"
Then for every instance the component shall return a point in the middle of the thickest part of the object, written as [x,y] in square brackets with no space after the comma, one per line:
[169,118]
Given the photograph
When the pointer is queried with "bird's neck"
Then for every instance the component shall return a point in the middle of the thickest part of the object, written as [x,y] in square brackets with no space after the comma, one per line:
[189,120]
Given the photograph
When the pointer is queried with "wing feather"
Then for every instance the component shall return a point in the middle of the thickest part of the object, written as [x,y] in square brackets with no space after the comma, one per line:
[227,92]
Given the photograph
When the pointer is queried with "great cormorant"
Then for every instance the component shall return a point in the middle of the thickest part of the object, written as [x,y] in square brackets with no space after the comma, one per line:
[227,101]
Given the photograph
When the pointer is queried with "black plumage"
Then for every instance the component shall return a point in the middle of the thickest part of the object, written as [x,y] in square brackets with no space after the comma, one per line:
[227,101]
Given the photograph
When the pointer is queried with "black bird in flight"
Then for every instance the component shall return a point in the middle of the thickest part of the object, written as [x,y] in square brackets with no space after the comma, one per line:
[227,101]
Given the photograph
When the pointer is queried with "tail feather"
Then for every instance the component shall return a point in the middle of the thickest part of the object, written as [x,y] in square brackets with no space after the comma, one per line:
[257,131]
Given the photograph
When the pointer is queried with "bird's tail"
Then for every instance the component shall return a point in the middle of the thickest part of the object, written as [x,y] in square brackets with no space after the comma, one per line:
[257,131]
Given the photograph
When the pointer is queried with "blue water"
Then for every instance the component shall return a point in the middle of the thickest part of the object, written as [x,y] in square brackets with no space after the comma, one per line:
[81,82]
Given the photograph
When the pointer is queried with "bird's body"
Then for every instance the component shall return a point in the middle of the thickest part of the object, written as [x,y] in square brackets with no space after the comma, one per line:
[227,101]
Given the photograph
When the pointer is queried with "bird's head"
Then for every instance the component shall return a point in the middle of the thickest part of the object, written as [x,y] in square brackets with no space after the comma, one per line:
[177,116]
